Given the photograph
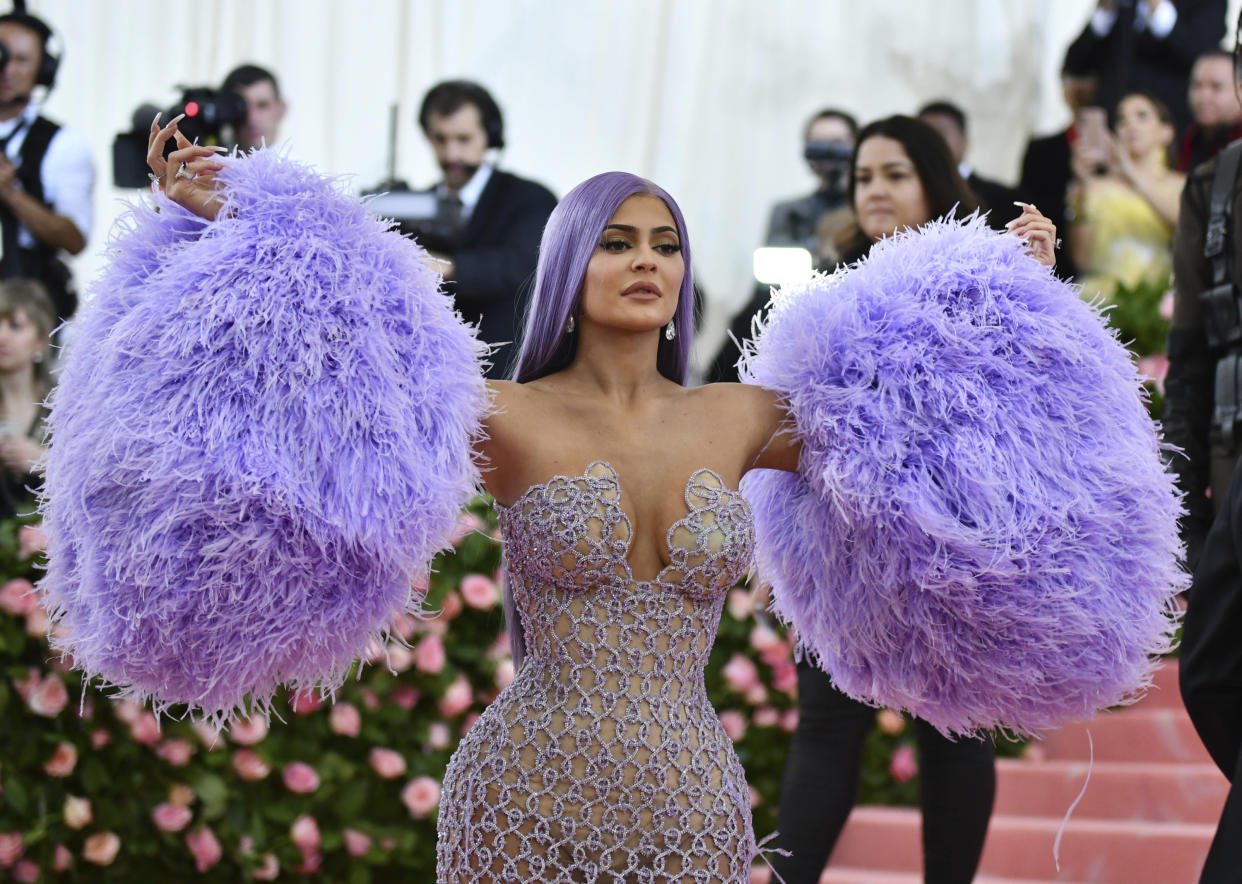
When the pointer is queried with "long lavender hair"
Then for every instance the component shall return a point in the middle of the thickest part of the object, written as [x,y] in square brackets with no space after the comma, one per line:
[569,240]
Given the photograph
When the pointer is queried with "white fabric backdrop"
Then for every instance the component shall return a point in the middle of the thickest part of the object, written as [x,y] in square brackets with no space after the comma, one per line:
[707,97]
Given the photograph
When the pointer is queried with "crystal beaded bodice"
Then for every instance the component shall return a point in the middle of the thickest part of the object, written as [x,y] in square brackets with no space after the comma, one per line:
[604,760]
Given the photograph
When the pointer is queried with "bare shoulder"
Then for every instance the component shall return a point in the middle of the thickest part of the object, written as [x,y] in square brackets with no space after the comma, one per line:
[758,417]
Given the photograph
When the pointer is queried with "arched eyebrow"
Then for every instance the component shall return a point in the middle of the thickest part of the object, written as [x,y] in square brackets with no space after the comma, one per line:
[629,228]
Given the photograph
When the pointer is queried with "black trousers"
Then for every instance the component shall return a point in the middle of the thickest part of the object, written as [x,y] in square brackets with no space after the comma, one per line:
[820,786]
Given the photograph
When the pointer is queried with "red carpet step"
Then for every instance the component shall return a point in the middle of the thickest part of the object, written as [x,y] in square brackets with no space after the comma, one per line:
[1147,818]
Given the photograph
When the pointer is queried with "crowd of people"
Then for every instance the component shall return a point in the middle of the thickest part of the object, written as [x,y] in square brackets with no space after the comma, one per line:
[1132,187]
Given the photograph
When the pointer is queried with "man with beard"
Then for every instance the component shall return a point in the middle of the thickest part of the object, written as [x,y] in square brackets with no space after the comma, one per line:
[47,177]
[488,222]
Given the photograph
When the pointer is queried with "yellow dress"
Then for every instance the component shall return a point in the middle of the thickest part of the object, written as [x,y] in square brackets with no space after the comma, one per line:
[1131,243]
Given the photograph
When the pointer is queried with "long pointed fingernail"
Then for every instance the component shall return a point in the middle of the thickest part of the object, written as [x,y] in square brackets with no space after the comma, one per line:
[177,119]
[156,121]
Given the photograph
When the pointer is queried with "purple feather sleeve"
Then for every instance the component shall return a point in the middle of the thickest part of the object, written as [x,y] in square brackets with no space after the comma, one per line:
[260,437]
[981,530]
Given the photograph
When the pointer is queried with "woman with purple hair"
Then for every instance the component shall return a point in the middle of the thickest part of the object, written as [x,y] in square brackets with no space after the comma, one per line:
[300,427]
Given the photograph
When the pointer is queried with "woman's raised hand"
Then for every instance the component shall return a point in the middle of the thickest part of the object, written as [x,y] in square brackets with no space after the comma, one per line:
[188,176]
[1040,234]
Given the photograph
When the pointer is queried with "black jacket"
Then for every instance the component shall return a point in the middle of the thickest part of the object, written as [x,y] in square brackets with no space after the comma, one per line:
[1046,175]
[1211,673]
[496,260]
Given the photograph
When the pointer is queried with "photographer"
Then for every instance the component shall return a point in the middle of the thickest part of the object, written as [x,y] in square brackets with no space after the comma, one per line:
[264,107]
[489,222]
[47,177]
[828,142]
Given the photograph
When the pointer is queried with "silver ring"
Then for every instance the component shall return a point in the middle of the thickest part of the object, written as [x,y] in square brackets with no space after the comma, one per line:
[183,172]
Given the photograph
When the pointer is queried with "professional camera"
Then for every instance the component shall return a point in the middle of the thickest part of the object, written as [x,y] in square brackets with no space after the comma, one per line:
[830,162]
[418,214]
[208,114]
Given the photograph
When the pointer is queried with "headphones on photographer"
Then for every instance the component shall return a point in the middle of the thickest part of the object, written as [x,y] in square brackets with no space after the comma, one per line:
[49,54]
[465,92]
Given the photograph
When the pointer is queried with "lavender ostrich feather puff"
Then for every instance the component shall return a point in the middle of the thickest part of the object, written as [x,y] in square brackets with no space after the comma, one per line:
[260,437]
[981,531]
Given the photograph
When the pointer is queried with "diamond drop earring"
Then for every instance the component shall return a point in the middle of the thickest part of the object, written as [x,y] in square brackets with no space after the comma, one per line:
[670,331]
[569,326]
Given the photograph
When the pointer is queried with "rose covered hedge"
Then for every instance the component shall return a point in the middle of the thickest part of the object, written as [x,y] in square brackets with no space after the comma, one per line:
[346,791]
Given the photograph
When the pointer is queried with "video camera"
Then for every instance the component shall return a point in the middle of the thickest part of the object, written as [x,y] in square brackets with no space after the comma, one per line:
[208,112]
[829,161]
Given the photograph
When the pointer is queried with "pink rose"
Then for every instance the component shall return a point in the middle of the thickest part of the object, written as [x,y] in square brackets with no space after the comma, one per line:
[356,842]
[740,603]
[269,870]
[740,673]
[403,625]
[77,812]
[467,523]
[17,598]
[100,737]
[438,735]
[37,623]
[785,677]
[890,722]
[31,540]
[399,657]
[146,729]
[760,875]
[766,717]
[1155,368]
[757,695]
[306,702]
[249,766]
[26,872]
[204,847]
[902,767]
[387,764]
[300,778]
[755,798]
[171,817]
[26,686]
[370,699]
[468,722]
[49,698]
[1166,305]
[181,794]
[449,608]
[311,861]
[126,711]
[304,833]
[11,849]
[101,848]
[457,698]
[62,859]
[763,637]
[429,654]
[504,674]
[175,752]
[62,762]
[789,720]
[208,735]
[248,731]
[774,655]
[345,720]
[405,696]
[420,796]
[734,724]
[479,592]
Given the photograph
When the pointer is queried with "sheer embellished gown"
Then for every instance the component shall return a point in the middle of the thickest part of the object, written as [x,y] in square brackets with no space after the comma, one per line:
[604,761]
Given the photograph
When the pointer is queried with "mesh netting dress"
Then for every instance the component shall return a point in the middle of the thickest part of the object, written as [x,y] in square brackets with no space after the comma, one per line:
[604,761]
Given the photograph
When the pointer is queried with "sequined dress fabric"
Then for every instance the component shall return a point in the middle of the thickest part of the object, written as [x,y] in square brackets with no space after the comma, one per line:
[604,761]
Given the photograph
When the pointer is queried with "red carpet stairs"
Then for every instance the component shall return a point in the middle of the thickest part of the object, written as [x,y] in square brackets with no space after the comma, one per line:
[1147,818]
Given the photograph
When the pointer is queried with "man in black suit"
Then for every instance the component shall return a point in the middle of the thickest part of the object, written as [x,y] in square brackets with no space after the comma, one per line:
[489,222]
[1046,169]
[1146,46]
[950,121]
[1211,674]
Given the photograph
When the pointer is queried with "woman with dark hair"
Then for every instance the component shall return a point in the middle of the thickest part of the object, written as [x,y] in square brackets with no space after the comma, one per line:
[26,322]
[1124,200]
[901,177]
